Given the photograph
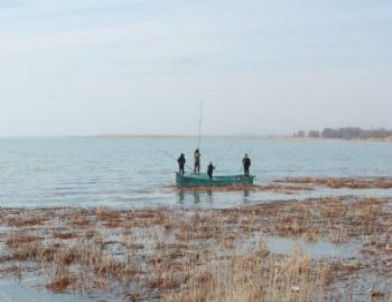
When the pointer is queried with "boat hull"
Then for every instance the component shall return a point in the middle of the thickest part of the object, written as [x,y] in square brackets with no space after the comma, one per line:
[193,180]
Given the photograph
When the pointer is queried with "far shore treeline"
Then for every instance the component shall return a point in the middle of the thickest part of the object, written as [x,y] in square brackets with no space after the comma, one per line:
[347,133]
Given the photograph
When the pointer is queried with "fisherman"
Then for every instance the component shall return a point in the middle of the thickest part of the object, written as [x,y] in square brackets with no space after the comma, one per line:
[246,163]
[210,169]
[196,156]
[181,163]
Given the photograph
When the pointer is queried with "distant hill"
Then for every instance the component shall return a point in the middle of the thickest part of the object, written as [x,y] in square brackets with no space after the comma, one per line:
[347,133]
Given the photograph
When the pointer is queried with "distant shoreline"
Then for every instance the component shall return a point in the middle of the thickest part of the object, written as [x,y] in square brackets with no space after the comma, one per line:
[260,137]
[159,136]
[217,136]
[347,133]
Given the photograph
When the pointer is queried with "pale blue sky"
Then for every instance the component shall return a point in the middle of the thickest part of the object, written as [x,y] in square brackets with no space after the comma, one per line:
[72,67]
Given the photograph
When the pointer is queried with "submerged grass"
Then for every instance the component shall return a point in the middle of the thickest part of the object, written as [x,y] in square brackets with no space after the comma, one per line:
[201,255]
[342,182]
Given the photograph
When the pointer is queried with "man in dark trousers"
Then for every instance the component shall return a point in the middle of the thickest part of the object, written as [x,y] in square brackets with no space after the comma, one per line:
[210,169]
[246,163]
[196,156]
[181,163]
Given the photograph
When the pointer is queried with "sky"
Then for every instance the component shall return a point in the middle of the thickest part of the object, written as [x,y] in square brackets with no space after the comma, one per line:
[88,67]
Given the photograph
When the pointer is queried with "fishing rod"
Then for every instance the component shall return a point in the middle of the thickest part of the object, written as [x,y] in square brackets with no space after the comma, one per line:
[225,153]
[249,151]
[200,122]
[173,158]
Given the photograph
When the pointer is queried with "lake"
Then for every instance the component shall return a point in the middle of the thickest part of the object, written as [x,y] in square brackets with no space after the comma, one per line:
[139,172]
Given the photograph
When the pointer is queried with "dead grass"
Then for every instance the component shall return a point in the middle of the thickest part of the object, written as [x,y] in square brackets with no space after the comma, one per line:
[17,238]
[197,255]
[59,283]
[240,278]
[64,235]
[24,220]
[342,182]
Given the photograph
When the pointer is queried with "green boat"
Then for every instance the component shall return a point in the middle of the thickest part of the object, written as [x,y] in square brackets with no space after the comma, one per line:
[193,180]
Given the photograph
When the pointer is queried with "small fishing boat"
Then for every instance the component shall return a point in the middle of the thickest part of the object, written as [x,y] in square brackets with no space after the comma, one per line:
[194,180]
[197,180]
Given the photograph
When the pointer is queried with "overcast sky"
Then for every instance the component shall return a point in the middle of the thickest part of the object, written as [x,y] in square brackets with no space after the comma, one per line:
[85,67]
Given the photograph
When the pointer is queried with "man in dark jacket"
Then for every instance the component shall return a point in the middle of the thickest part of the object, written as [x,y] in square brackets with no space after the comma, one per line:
[210,170]
[196,157]
[246,163]
[181,163]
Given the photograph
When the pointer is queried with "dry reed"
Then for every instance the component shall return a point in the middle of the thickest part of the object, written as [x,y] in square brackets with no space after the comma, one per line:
[199,255]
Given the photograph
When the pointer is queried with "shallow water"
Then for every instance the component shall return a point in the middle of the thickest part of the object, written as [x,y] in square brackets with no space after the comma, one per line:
[316,250]
[11,290]
[137,172]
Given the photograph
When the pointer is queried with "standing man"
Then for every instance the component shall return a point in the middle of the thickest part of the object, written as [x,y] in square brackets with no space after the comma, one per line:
[181,163]
[246,163]
[210,169]
[196,156]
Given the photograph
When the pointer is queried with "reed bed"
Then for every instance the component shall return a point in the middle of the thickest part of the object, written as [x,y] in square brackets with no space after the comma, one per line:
[202,255]
[292,185]
[341,182]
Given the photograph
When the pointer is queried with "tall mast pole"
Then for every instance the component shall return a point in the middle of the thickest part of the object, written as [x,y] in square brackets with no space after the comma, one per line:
[200,120]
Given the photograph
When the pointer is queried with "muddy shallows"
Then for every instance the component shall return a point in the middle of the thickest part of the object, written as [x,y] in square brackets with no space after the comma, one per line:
[325,249]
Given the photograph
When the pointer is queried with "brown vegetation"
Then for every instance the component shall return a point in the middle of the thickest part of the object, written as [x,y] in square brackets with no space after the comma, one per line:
[200,255]
[342,182]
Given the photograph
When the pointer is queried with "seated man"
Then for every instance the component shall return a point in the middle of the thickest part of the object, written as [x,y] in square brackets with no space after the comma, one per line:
[210,169]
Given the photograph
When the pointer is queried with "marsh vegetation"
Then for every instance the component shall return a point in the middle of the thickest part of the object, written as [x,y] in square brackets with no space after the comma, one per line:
[180,254]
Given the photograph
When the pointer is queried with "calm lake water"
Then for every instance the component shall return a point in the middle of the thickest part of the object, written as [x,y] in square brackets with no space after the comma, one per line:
[139,172]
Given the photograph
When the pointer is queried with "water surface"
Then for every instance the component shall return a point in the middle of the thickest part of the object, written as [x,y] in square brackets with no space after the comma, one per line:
[138,172]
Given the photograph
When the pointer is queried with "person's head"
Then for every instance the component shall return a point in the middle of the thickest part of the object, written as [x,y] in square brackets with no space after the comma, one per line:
[182,154]
[197,150]
[210,163]
[246,155]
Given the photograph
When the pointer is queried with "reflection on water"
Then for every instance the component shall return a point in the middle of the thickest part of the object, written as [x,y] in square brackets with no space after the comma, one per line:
[194,197]
[246,194]
[206,198]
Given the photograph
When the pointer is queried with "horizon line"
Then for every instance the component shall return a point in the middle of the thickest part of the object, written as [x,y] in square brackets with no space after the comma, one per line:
[149,135]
